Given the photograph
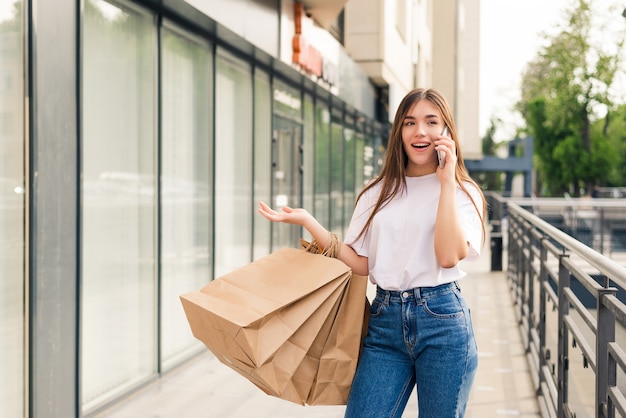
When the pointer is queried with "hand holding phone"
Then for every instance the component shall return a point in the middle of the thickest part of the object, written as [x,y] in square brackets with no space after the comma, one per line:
[441,156]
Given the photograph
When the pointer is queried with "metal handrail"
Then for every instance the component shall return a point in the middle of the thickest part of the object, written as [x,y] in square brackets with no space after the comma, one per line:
[548,267]
[605,265]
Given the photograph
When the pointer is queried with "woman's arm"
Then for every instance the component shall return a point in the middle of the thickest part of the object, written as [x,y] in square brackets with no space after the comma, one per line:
[321,235]
[450,244]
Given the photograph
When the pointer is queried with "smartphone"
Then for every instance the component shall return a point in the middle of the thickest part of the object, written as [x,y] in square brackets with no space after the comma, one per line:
[441,156]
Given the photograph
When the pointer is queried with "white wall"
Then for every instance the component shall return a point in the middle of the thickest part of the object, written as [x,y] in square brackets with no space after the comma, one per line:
[254,20]
[374,38]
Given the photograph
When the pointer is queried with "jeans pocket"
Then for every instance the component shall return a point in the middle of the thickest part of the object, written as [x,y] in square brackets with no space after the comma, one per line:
[444,305]
[376,308]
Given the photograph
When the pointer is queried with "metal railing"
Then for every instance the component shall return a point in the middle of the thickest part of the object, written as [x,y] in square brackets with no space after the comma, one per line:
[570,306]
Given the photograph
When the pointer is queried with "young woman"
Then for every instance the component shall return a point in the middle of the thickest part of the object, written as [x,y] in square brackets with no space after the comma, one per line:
[410,228]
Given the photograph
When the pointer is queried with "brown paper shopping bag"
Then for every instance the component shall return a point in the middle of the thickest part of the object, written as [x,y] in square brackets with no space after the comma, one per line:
[290,322]
[339,357]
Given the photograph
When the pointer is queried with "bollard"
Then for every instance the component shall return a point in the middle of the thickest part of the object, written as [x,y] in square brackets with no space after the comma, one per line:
[496,251]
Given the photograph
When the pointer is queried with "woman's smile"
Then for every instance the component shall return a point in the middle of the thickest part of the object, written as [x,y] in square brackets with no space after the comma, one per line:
[421,146]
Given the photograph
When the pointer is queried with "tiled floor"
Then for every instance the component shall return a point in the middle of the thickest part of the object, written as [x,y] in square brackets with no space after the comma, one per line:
[205,388]
[503,386]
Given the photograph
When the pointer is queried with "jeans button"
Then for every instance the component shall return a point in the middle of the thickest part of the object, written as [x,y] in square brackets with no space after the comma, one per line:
[405,294]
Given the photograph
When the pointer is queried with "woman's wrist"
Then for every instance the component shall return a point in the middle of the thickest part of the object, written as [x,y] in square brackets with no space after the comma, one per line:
[448,185]
[312,225]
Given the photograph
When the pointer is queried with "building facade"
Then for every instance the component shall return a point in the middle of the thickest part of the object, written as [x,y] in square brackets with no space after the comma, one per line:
[421,43]
[136,139]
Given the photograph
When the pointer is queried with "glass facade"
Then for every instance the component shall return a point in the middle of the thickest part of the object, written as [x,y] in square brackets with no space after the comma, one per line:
[286,160]
[321,209]
[118,251]
[186,194]
[308,157]
[262,156]
[12,210]
[349,176]
[233,174]
[337,150]
[178,141]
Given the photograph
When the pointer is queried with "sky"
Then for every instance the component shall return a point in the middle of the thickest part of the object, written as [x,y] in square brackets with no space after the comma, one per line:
[509,39]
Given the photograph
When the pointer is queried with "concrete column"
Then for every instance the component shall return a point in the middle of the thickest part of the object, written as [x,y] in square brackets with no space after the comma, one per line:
[53,209]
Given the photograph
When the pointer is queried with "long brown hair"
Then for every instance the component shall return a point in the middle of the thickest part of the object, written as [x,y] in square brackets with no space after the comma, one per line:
[393,172]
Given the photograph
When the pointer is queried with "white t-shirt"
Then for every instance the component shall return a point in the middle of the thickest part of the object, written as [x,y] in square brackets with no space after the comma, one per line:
[400,243]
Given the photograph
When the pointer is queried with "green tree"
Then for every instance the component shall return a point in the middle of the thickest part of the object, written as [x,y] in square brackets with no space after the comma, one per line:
[563,90]
[613,130]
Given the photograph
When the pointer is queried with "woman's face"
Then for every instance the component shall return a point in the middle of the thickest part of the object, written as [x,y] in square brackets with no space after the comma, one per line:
[421,127]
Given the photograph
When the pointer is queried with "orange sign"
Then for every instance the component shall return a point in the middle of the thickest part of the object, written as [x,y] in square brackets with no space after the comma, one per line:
[305,54]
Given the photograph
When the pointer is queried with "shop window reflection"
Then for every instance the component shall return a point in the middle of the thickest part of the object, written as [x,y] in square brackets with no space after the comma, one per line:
[12,210]
[185,185]
[118,277]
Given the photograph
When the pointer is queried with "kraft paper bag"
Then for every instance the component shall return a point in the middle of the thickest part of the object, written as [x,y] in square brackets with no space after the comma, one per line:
[339,357]
[291,322]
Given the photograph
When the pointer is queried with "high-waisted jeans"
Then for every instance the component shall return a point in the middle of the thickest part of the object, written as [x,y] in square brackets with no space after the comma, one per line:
[422,337]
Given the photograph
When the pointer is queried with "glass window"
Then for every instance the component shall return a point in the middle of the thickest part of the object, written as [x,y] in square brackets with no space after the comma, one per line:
[336,178]
[286,188]
[185,184]
[262,160]
[348,177]
[322,167]
[287,101]
[12,324]
[286,160]
[308,157]
[359,162]
[233,156]
[118,300]
[370,166]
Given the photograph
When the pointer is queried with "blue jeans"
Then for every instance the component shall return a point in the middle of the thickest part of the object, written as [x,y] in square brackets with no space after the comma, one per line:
[421,337]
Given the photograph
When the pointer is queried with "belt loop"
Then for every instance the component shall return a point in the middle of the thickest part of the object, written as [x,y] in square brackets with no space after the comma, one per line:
[384,295]
[417,294]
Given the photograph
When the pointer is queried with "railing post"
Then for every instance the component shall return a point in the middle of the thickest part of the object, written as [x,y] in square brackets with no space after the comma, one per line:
[601,210]
[496,246]
[541,325]
[563,336]
[531,291]
[513,248]
[523,269]
[519,266]
[605,372]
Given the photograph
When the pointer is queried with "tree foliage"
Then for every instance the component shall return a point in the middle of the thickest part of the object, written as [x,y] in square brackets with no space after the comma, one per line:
[614,130]
[564,91]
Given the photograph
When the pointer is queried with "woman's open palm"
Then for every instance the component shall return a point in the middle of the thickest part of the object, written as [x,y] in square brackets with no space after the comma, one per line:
[286,215]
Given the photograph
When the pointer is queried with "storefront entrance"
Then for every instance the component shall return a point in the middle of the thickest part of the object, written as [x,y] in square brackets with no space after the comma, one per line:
[286,178]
